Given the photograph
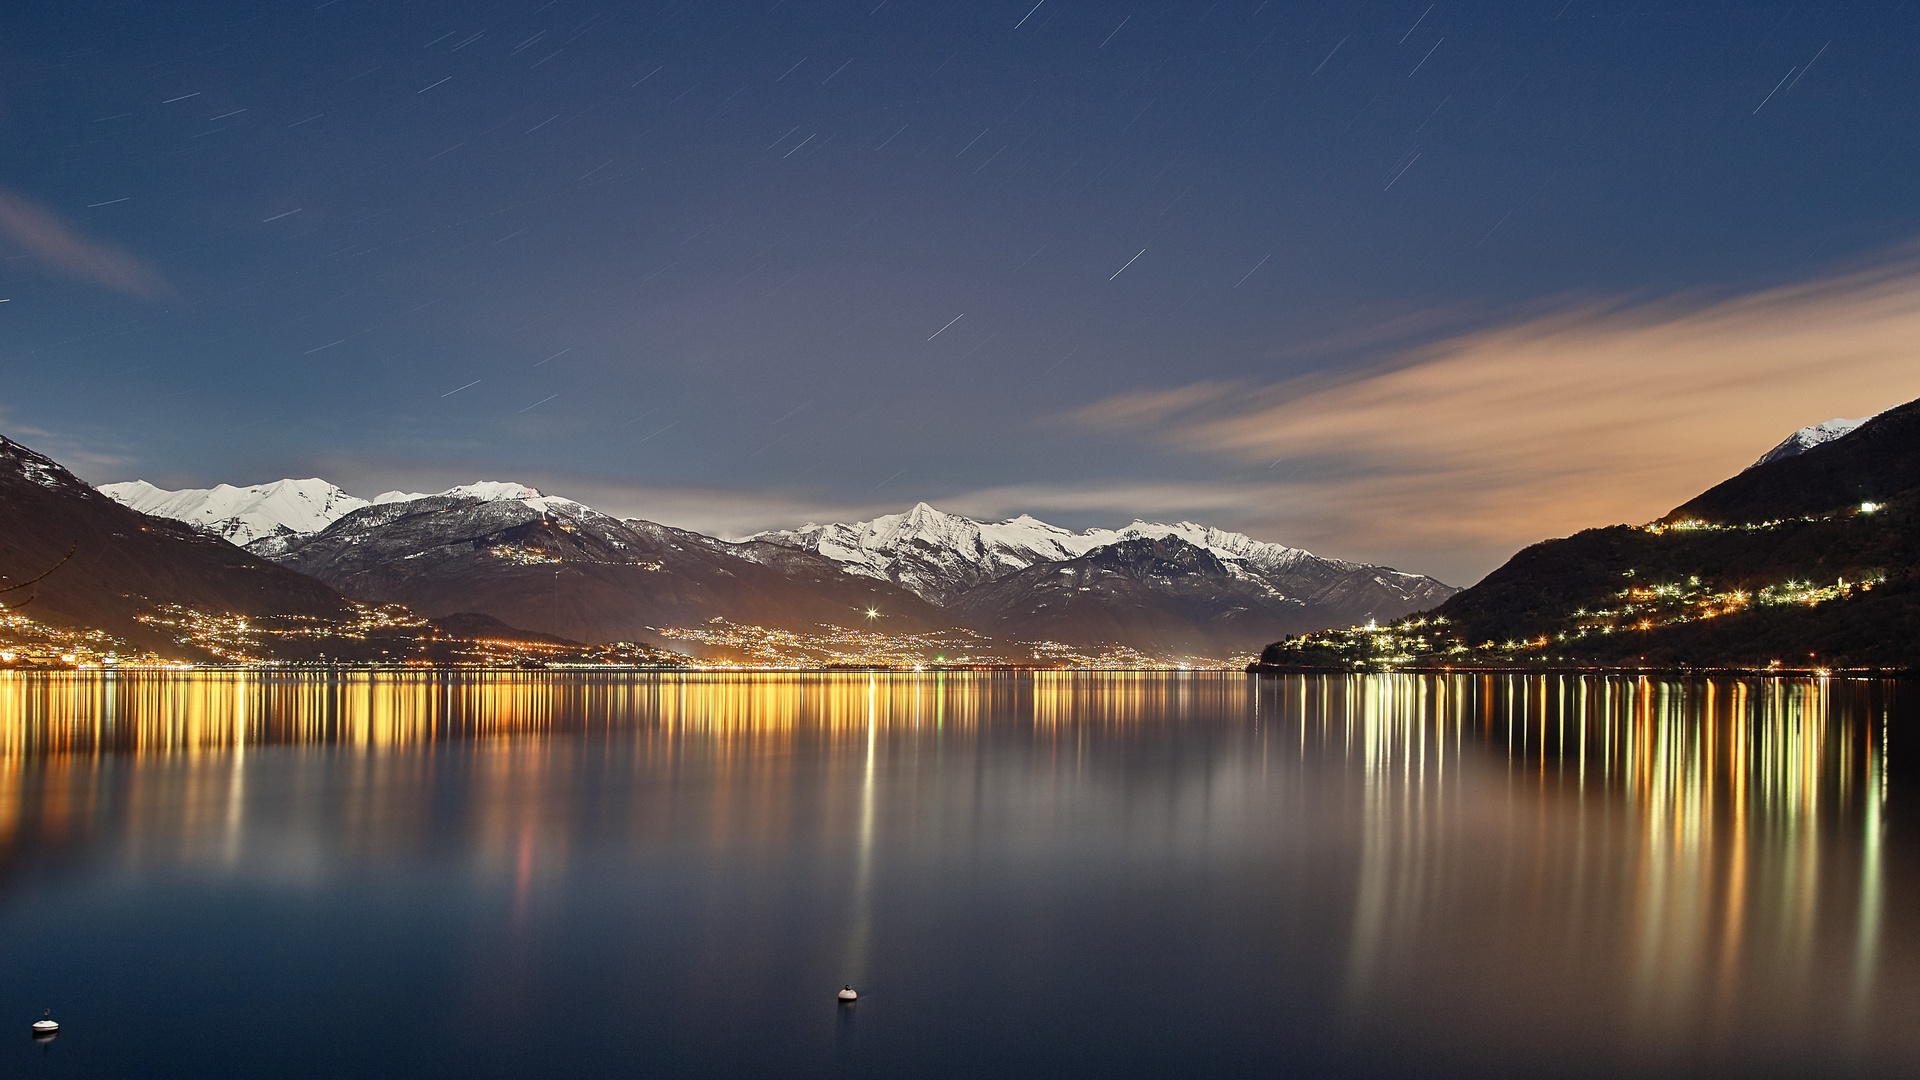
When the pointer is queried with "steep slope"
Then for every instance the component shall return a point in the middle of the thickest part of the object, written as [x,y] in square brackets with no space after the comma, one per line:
[1807,560]
[943,557]
[125,563]
[1809,437]
[1781,554]
[1161,595]
[1876,462]
[553,565]
[242,514]
[76,559]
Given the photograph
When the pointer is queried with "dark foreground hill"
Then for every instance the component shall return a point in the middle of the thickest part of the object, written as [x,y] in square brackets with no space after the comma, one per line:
[74,559]
[110,565]
[1807,561]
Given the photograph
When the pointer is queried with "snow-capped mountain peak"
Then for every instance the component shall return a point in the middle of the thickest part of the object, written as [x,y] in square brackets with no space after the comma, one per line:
[1811,436]
[934,553]
[1230,545]
[940,555]
[484,490]
[492,491]
[297,507]
[243,514]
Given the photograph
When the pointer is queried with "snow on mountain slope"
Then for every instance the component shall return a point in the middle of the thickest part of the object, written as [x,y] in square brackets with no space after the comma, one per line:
[242,514]
[485,490]
[1809,437]
[936,554]
[940,555]
[564,568]
[297,507]
[1303,575]
[941,558]
[1231,544]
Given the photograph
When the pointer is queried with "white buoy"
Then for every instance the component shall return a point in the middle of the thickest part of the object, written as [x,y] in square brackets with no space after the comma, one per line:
[847,994]
[46,1026]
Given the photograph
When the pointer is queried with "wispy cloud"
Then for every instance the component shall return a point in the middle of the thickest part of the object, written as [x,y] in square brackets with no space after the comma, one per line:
[39,231]
[87,459]
[1459,452]
[1115,501]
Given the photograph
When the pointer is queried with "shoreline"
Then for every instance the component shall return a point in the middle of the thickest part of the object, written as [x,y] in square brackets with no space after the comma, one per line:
[1253,670]
[1682,670]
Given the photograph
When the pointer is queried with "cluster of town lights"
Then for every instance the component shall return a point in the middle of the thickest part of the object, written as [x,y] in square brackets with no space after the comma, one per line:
[1639,608]
[728,644]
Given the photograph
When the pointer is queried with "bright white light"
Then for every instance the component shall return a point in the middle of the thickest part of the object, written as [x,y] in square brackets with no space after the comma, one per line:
[1868,507]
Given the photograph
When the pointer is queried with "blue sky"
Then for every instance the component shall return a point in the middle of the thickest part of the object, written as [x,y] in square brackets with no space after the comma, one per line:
[736,265]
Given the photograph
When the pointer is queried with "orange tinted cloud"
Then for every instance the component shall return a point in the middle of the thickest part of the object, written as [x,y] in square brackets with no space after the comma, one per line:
[40,232]
[1456,454]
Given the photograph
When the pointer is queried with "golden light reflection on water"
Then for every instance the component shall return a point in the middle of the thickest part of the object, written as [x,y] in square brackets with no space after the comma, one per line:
[1700,859]
[1616,860]
[60,728]
[148,713]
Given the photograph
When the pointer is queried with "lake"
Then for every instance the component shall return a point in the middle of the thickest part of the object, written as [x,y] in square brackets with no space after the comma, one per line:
[1025,875]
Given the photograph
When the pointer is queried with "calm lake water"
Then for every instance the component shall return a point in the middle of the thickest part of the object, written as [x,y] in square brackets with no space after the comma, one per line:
[1113,875]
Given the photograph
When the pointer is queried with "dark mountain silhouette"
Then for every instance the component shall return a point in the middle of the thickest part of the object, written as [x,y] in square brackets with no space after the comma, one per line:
[123,563]
[1876,462]
[1809,560]
[71,557]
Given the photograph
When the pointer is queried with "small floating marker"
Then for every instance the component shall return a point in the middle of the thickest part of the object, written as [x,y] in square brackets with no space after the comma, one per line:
[846,995]
[46,1027]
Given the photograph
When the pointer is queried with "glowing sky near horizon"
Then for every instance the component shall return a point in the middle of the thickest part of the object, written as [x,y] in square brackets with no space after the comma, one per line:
[1401,281]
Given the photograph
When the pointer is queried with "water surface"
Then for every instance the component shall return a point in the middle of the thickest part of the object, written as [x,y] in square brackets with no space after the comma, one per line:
[1034,875]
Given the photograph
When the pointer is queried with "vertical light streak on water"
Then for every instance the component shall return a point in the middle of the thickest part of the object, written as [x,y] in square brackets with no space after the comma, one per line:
[1644,790]
[1297,686]
[859,937]
[1739,758]
[1400,857]
[1370,907]
[1805,739]
[237,784]
[1866,949]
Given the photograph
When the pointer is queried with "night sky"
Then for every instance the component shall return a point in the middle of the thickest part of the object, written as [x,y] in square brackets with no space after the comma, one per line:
[1388,280]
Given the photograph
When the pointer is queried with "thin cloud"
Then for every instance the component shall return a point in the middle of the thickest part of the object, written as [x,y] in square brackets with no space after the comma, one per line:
[42,233]
[84,458]
[1458,453]
[1118,501]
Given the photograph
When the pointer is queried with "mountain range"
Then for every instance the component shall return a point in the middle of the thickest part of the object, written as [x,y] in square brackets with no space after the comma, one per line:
[78,567]
[556,566]
[1811,556]
[1806,559]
